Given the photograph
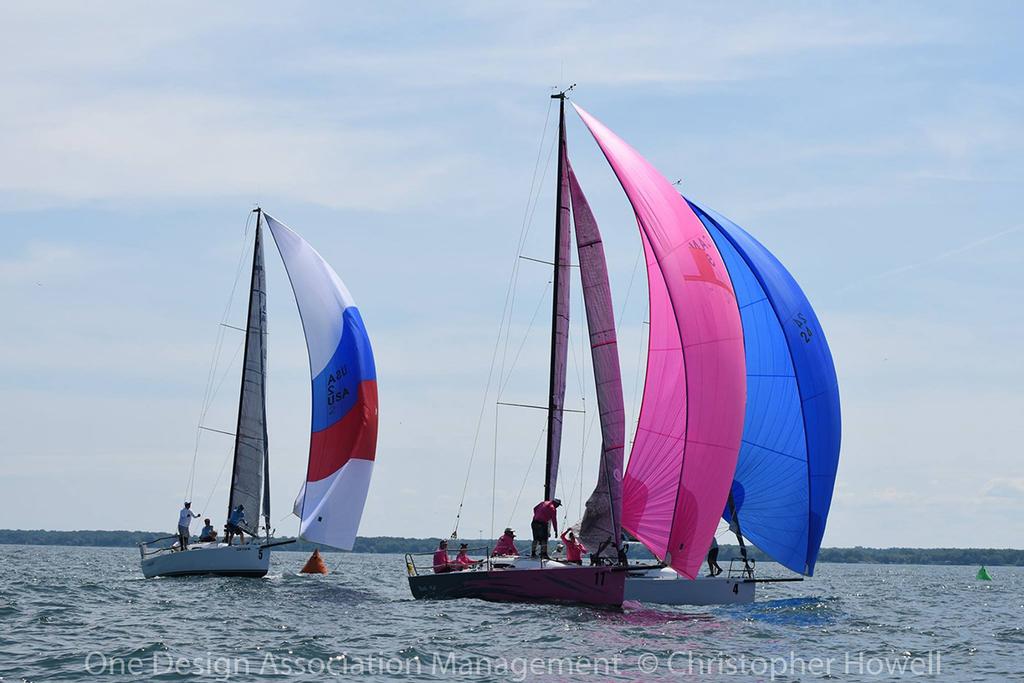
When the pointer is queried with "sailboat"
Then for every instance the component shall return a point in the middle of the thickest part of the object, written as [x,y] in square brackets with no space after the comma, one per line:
[693,400]
[344,421]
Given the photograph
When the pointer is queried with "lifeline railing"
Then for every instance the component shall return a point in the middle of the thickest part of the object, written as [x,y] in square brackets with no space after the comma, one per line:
[426,563]
[145,551]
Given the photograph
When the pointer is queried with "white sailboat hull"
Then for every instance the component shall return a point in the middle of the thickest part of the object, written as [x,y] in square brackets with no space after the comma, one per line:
[217,559]
[665,587]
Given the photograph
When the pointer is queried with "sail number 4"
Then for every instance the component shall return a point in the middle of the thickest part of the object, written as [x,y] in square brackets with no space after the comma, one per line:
[805,329]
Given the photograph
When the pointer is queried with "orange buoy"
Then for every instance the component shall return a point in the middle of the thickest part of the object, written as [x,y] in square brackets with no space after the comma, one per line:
[315,564]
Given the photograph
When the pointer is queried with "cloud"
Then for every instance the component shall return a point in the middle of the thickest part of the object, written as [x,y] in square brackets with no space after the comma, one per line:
[1006,487]
[140,104]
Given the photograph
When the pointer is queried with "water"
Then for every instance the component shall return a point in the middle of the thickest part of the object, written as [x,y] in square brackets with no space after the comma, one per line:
[79,614]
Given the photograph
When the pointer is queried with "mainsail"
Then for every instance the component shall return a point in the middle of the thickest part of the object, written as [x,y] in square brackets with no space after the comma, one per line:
[678,480]
[603,516]
[782,488]
[344,432]
[559,317]
[251,454]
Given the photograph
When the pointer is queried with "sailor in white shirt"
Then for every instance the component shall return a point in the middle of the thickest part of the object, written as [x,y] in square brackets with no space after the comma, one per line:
[185,518]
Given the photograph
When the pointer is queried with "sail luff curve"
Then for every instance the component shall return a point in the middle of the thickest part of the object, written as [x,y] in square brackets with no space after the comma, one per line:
[344,395]
[787,465]
[711,356]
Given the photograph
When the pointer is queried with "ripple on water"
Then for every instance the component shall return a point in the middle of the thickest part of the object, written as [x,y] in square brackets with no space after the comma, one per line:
[58,604]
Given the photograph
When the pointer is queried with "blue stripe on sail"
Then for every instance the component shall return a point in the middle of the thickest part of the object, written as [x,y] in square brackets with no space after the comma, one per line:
[336,388]
[787,463]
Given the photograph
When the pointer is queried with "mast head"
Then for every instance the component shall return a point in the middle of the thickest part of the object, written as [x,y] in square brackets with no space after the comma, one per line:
[561,95]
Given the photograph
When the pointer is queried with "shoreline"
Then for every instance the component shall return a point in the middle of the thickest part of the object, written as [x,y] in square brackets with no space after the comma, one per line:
[994,557]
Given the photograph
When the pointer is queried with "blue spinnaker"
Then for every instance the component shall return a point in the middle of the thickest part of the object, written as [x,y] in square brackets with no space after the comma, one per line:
[787,465]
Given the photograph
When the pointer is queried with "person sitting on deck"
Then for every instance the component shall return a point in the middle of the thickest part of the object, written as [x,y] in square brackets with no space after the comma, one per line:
[234,526]
[462,560]
[574,549]
[208,534]
[506,545]
[713,567]
[185,518]
[442,563]
[545,512]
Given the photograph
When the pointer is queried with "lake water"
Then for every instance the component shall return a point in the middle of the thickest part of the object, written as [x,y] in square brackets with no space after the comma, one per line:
[80,614]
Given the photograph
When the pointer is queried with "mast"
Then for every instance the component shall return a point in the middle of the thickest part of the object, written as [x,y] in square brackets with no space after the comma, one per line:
[559,313]
[249,476]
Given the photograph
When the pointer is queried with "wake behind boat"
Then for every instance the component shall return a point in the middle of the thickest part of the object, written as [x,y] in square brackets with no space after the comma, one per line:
[343,438]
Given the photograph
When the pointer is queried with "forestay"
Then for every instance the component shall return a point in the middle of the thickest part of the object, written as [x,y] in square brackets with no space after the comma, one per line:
[344,431]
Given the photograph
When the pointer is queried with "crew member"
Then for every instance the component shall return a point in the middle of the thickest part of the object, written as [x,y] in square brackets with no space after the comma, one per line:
[208,534]
[574,549]
[442,563]
[185,518]
[544,513]
[506,545]
[234,526]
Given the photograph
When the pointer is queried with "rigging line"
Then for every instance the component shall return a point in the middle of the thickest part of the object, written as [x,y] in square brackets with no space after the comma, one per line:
[494,470]
[526,335]
[546,263]
[527,405]
[526,477]
[519,251]
[497,341]
[212,371]
[220,474]
[532,199]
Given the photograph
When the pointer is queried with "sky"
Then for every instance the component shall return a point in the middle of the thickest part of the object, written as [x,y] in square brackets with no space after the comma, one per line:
[876,148]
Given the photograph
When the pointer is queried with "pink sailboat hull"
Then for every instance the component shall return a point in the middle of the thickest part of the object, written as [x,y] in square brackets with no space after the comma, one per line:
[598,586]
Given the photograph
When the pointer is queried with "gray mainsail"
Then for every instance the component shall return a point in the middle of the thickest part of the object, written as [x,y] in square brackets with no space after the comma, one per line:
[603,515]
[251,455]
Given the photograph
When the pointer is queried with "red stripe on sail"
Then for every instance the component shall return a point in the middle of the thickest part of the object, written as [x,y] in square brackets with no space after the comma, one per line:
[353,436]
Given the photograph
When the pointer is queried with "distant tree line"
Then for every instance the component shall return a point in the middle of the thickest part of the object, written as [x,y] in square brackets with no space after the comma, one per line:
[398,544]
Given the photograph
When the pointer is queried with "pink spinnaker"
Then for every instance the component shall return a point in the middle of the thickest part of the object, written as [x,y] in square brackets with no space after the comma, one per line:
[691,419]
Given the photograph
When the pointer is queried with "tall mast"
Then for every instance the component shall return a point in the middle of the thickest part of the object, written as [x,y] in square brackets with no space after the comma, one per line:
[249,475]
[559,307]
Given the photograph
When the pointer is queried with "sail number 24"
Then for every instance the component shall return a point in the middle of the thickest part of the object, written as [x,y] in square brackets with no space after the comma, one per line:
[805,330]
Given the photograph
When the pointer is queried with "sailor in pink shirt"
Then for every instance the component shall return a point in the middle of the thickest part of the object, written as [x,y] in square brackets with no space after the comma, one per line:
[442,563]
[462,560]
[546,511]
[506,545]
[574,549]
